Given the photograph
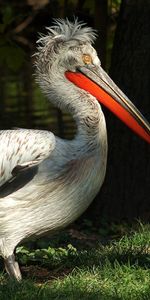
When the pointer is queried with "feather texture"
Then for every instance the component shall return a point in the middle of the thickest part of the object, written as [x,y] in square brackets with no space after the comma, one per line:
[66,31]
[23,148]
[47,182]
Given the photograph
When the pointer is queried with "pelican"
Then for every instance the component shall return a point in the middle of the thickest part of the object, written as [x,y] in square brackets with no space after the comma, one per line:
[47,182]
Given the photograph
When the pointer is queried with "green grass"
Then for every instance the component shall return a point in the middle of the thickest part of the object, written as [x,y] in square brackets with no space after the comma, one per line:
[119,270]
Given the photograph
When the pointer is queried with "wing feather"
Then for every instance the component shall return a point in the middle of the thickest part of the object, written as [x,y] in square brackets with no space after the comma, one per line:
[21,149]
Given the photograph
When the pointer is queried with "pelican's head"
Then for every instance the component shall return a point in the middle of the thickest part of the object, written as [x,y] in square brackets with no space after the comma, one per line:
[66,46]
[66,61]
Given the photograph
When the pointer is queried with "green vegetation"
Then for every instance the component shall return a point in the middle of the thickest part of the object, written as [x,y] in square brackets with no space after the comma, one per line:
[85,269]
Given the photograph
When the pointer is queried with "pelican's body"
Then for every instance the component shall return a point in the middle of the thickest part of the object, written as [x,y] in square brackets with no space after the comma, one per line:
[47,182]
[60,189]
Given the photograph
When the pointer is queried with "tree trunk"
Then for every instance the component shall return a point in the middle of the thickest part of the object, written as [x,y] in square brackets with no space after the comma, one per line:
[100,22]
[125,193]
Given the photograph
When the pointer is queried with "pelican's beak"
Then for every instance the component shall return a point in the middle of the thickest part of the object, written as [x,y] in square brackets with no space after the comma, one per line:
[96,81]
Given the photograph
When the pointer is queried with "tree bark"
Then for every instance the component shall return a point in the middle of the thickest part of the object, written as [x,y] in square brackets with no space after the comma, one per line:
[100,22]
[125,193]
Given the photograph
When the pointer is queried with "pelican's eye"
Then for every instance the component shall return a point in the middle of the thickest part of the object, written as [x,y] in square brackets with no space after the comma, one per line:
[87,59]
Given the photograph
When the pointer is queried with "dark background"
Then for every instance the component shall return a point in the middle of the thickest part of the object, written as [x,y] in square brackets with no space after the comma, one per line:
[124,49]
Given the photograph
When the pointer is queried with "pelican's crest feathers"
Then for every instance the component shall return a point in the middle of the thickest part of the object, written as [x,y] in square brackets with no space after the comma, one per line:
[65,31]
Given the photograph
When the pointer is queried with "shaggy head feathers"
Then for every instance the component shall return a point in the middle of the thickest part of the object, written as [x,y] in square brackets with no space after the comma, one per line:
[53,48]
[65,31]
[60,50]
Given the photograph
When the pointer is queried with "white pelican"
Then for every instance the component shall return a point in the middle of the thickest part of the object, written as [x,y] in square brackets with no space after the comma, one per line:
[47,182]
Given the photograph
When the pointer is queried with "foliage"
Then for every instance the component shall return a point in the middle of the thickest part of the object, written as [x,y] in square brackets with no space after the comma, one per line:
[12,56]
[47,256]
[134,248]
[116,271]
[7,18]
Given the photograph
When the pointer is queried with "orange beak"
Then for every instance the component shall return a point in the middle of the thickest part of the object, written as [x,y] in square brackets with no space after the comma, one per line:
[96,81]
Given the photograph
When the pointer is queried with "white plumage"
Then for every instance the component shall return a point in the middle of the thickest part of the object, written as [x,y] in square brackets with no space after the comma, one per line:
[47,182]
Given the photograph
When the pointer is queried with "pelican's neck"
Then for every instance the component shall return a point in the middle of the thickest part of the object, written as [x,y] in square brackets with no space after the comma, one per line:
[91,126]
[85,109]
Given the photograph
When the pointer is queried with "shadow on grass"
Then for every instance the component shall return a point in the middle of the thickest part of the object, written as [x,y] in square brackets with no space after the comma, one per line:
[116,271]
[63,260]
[53,262]
[29,290]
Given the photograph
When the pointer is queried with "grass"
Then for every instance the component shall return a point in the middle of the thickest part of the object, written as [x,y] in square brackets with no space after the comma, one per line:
[85,269]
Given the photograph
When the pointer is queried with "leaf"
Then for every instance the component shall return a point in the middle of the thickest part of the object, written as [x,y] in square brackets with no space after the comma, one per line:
[90,5]
[22,250]
[2,28]
[7,15]
[13,56]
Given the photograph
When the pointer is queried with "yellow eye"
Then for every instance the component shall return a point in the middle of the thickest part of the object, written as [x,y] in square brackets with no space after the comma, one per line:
[87,59]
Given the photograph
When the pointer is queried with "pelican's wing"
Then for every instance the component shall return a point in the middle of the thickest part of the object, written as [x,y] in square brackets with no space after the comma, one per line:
[21,150]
